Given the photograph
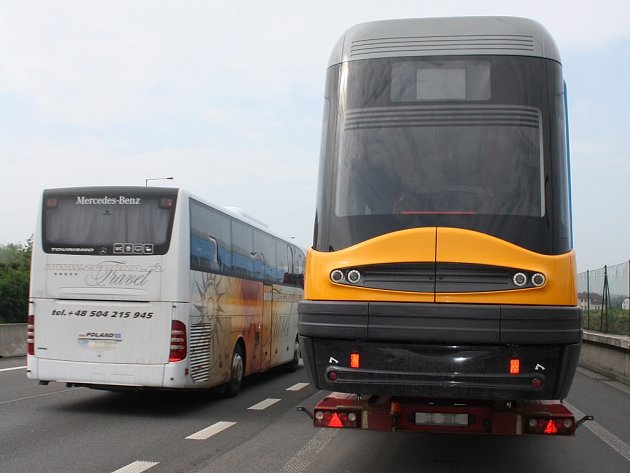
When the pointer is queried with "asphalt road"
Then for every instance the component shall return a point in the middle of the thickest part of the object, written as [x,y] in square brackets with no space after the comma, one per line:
[56,429]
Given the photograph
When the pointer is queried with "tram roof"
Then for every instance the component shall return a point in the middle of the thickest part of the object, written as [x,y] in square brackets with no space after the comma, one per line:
[474,35]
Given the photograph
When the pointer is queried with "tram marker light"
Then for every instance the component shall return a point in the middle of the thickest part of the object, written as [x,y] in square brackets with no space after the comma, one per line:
[355,360]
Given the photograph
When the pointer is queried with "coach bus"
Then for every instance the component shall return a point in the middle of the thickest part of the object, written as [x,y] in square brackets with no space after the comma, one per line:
[442,263]
[148,287]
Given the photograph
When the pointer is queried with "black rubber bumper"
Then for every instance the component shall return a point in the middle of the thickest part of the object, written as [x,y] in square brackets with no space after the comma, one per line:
[451,323]
[441,351]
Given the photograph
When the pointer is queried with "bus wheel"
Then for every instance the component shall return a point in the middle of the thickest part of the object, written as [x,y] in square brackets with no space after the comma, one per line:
[297,354]
[237,371]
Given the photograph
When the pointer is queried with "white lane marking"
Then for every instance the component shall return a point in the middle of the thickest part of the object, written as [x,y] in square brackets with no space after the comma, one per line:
[297,387]
[309,452]
[264,404]
[39,395]
[12,369]
[210,431]
[136,467]
[606,436]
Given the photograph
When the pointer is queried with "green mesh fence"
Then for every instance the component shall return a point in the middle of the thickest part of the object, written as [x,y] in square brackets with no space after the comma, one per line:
[604,296]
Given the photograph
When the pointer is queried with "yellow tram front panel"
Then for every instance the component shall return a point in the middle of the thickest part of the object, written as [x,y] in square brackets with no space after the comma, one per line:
[417,245]
[436,248]
[456,245]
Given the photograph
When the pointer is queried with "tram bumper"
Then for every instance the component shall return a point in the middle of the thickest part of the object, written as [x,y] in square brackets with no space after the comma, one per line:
[442,351]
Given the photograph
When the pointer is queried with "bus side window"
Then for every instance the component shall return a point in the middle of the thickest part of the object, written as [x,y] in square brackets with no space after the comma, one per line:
[210,239]
[283,262]
[203,254]
[264,256]
[221,233]
[242,249]
[299,269]
[290,274]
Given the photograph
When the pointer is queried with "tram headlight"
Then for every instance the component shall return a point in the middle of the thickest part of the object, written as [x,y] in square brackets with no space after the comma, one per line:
[519,279]
[336,276]
[353,276]
[538,279]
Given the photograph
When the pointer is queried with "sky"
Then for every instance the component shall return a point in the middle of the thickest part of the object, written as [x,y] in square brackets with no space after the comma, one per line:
[227,98]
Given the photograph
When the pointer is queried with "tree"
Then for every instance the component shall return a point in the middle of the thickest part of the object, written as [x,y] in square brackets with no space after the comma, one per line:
[15,267]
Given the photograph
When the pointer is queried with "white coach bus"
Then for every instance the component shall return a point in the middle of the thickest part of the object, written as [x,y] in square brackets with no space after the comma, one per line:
[148,287]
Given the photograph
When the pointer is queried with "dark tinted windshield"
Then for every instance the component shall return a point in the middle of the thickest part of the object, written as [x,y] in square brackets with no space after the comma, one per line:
[467,142]
[440,160]
[108,221]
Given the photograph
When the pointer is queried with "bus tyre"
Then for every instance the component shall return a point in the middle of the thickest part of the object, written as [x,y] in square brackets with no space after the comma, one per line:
[292,366]
[237,371]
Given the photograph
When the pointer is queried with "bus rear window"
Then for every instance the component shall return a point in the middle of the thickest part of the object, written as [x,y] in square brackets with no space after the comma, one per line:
[98,224]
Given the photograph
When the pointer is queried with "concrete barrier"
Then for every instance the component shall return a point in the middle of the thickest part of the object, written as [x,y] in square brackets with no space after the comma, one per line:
[607,354]
[12,340]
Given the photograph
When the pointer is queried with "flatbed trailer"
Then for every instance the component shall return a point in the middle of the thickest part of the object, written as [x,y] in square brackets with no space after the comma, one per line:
[386,413]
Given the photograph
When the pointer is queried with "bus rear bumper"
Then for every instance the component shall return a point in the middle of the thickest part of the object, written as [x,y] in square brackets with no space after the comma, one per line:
[105,375]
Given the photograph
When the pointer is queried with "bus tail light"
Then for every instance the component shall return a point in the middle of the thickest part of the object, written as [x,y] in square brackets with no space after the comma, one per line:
[30,334]
[166,203]
[178,341]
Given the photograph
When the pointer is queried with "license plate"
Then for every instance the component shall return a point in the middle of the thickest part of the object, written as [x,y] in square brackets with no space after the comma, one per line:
[441,418]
